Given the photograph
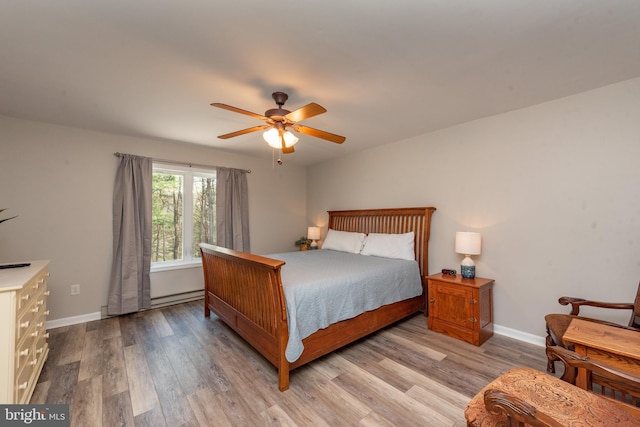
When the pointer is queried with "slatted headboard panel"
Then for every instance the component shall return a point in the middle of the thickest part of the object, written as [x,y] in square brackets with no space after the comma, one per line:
[393,221]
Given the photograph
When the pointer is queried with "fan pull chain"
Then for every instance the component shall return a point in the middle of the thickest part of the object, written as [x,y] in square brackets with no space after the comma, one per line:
[273,158]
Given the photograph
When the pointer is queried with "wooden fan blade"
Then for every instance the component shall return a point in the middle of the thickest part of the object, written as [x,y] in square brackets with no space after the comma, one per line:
[243,131]
[239,110]
[305,112]
[319,134]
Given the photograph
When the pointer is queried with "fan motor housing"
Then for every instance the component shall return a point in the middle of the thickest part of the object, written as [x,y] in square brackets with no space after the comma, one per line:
[276,113]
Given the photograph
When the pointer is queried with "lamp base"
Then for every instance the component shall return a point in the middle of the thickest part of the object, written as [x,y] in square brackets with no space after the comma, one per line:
[468,272]
[468,268]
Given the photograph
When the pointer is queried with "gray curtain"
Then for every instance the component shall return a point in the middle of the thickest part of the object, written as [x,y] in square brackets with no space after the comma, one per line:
[232,209]
[129,290]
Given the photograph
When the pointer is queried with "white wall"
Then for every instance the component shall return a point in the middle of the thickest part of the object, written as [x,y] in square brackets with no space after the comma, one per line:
[59,180]
[552,188]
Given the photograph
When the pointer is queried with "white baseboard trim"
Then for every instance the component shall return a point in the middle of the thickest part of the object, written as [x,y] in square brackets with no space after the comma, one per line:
[156,302]
[73,320]
[519,335]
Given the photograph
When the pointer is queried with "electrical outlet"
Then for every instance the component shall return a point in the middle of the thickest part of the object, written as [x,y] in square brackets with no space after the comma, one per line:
[75,289]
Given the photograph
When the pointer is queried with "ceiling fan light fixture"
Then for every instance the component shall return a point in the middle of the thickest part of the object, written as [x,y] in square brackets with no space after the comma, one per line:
[273,138]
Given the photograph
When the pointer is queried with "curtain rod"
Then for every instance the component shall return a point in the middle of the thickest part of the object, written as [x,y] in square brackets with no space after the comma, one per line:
[173,162]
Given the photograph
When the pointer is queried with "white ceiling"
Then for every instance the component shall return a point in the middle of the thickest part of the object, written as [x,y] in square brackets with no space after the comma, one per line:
[384,70]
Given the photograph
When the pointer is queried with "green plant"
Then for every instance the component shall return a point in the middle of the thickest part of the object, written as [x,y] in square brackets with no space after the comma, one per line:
[303,241]
[6,219]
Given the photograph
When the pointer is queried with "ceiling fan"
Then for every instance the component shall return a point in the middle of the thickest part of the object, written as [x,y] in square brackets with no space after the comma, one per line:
[277,120]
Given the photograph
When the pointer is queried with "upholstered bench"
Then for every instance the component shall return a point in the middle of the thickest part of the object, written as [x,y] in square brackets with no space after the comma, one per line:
[536,398]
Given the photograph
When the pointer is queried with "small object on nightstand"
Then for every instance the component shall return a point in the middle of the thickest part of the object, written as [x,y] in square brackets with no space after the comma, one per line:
[448,272]
[461,308]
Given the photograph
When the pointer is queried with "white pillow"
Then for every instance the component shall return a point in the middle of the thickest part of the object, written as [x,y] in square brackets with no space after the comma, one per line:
[344,241]
[390,245]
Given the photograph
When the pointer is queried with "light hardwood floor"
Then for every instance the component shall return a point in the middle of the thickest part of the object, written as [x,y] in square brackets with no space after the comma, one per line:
[172,367]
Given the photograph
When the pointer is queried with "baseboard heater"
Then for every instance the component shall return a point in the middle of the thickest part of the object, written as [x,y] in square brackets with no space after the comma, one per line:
[166,300]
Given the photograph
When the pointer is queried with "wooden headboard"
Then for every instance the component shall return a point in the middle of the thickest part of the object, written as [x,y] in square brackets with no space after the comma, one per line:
[392,221]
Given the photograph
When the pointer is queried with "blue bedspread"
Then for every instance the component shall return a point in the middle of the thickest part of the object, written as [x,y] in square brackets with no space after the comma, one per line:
[322,287]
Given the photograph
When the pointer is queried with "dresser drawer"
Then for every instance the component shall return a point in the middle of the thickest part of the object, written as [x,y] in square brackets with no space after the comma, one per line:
[25,349]
[24,381]
[26,319]
[25,297]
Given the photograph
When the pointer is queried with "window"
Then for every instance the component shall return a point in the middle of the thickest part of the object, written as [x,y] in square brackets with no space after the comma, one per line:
[183,214]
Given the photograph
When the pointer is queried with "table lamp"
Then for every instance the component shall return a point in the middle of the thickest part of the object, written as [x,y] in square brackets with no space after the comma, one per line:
[468,243]
[313,233]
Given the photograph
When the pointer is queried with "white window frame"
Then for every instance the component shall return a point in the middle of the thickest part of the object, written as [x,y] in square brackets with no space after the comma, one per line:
[188,172]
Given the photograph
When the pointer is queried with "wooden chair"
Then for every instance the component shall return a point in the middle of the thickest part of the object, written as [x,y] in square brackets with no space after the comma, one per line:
[525,396]
[557,324]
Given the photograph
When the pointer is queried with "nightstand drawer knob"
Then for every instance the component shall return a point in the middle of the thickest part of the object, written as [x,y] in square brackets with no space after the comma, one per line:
[473,320]
[25,324]
[432,300]
[24,352]
[23,386]
[473,301]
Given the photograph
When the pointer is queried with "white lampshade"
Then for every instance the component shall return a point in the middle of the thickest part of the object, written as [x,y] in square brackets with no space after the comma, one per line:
[272,136]
[468,243]
[313,233]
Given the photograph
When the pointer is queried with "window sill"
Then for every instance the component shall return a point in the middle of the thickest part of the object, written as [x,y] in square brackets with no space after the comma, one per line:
[176,266]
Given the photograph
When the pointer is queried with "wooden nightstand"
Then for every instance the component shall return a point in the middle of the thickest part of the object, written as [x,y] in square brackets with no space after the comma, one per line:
[461,308]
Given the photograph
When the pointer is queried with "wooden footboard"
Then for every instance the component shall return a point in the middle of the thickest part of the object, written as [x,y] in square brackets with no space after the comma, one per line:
[245,291]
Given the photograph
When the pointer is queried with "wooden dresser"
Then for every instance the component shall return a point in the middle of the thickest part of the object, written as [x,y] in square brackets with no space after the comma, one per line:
[23,335]
[461,308]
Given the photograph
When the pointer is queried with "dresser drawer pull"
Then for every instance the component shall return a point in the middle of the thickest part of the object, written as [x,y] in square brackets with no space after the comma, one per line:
[46,313]
[41,302]
[46,294]
[26,297]
[46,335]
[23,386]
[40,350]
[35,334]
[40,324]
[33,362]
[35,309]
[24,352]
[25,324]
[47,274]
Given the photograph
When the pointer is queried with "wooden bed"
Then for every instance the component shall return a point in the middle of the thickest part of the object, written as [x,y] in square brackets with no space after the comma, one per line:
[245,290]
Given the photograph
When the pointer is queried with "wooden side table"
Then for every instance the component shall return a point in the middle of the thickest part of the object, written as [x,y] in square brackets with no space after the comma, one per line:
[618,347]
[461,308]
